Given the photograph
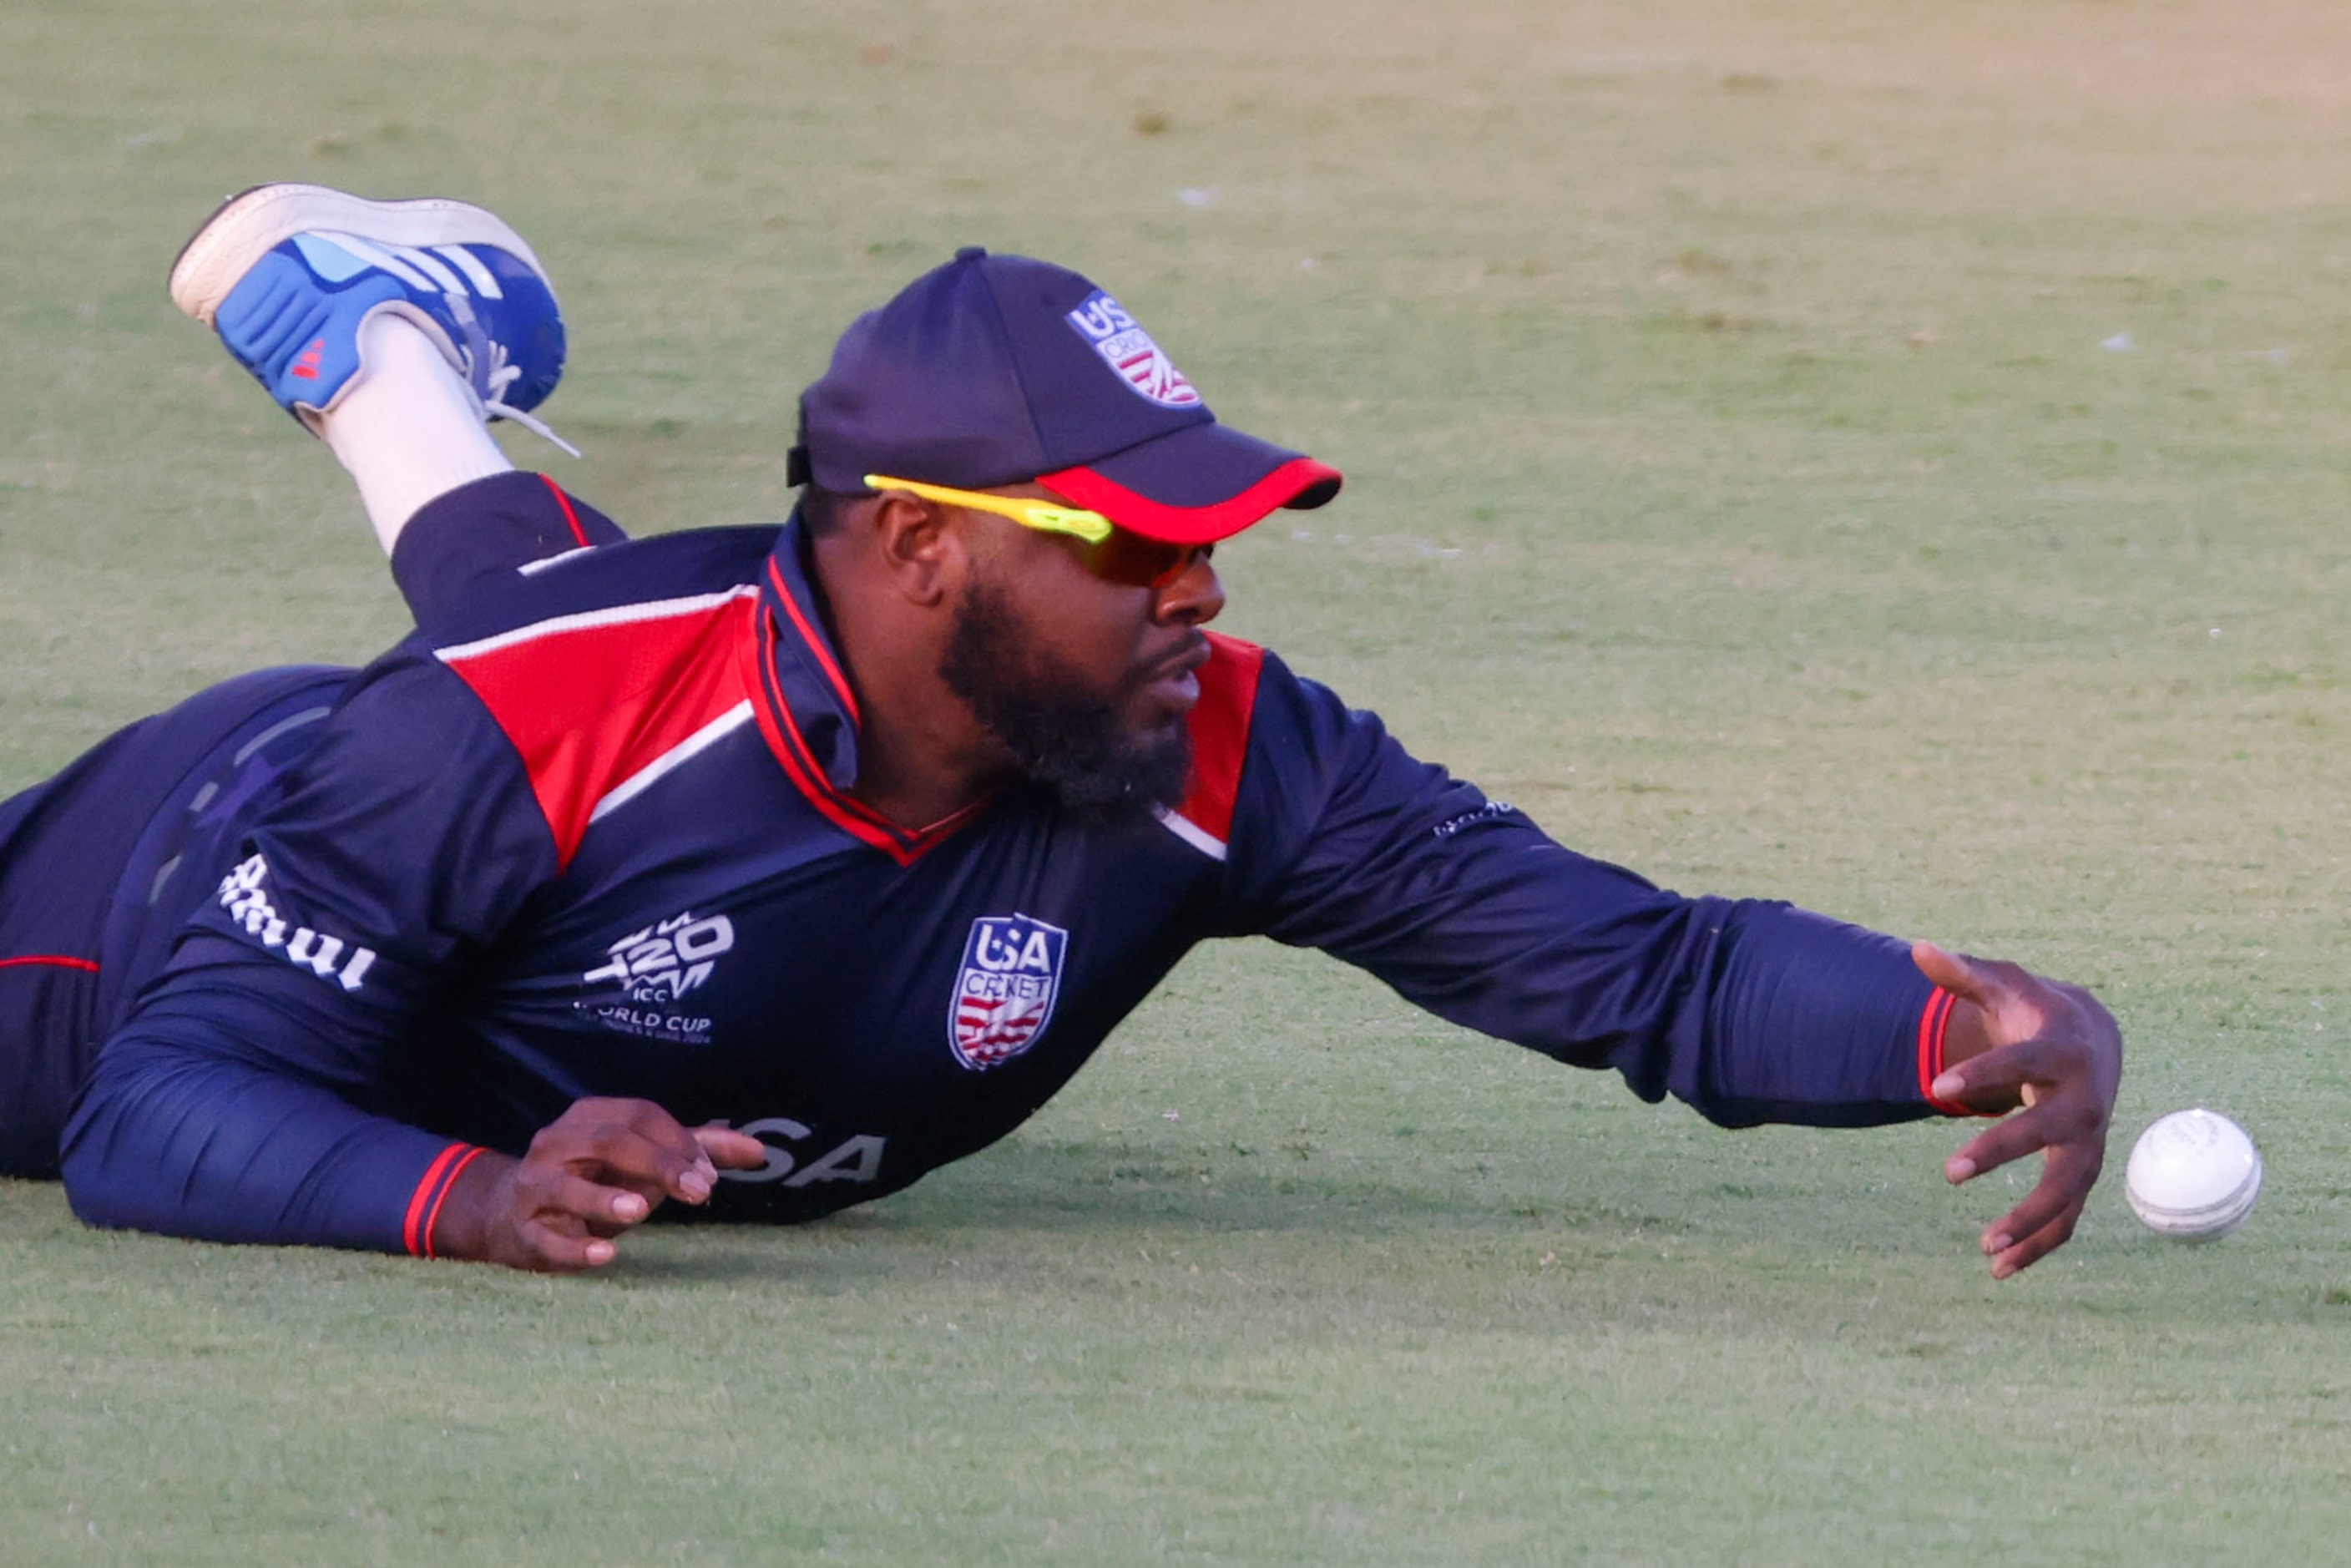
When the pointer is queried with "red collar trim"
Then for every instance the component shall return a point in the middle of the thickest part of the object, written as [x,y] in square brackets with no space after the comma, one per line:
[782,733]
[816,646]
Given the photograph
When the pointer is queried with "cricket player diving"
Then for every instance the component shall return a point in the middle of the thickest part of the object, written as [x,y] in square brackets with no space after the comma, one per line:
[759,872]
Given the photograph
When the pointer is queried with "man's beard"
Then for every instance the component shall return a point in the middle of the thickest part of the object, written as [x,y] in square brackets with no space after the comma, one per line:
[1060,735]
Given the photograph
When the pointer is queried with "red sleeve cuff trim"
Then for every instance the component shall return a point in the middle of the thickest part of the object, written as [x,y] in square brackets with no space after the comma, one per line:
[1934,1026]
[424,1203]
[433,1218]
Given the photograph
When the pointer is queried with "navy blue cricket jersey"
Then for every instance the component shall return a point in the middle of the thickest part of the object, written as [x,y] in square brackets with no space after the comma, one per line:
[589,832]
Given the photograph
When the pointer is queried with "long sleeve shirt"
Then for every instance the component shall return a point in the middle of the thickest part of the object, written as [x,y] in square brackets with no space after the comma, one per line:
[590,832]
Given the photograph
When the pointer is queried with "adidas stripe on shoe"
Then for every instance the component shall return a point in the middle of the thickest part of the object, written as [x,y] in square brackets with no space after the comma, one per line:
[286,273]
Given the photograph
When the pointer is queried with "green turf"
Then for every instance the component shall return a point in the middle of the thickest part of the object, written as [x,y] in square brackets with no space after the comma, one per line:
[1736,480]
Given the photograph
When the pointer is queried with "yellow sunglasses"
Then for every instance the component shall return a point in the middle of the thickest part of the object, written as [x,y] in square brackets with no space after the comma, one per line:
[1027,510]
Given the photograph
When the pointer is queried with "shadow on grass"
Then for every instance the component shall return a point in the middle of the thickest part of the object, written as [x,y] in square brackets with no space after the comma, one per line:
[1063,1196]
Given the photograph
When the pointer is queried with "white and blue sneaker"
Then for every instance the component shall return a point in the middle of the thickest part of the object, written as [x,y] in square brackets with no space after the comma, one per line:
[287,274]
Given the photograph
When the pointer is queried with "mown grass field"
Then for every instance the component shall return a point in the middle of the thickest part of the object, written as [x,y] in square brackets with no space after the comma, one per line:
[1891,456]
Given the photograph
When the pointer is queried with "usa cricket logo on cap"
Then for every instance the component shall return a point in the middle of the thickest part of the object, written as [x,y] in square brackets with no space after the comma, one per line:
[1127,348]
[1004,992]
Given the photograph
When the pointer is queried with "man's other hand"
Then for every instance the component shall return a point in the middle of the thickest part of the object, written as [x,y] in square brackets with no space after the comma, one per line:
[2046,1058]
[599,1168]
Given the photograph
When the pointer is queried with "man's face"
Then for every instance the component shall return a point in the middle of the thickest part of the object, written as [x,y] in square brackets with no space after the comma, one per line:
[1078,665]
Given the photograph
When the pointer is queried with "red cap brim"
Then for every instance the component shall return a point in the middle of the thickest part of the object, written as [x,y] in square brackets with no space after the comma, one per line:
[1300,482]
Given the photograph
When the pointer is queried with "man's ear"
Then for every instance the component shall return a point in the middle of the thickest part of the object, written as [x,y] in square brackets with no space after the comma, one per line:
[922,550]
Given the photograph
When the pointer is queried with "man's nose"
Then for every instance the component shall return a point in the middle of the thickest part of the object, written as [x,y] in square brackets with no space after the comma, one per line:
[1194,597]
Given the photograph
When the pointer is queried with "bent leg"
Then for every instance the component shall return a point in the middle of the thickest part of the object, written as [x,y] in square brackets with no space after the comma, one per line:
[407,427]
[393,332]
[460,542]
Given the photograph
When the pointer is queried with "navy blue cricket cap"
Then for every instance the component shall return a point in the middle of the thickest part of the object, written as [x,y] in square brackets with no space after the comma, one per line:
[999,369]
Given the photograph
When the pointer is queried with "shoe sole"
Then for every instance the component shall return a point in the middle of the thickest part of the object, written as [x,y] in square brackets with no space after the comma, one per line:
[246,226]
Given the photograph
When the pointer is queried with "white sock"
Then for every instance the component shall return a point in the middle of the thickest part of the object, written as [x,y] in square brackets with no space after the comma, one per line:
[407,427]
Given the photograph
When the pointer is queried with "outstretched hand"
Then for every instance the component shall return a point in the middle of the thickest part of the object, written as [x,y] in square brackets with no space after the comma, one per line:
[599,1168]
[2047,1060]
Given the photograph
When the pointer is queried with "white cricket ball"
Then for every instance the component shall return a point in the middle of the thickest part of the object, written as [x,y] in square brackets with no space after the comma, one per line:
[2193,1176]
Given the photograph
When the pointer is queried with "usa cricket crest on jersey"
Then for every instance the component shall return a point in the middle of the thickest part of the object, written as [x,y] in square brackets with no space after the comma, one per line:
[1127,348]
[1004,992]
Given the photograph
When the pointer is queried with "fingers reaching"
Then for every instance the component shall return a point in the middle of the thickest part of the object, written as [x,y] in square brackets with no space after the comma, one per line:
[2010,1138]
[601,1168]
[550,1221]
[1952,971]
[632,1144]
[2054,1053]
[730,1150]
[549,1248]
[2011,1071]
[2038,1226]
